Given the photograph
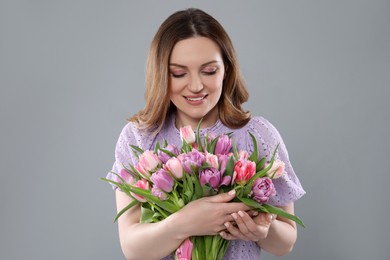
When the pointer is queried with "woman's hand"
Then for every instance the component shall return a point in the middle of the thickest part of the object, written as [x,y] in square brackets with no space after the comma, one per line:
[207,216]
[245,227]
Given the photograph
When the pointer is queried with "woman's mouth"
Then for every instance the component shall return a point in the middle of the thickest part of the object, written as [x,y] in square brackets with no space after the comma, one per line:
[195,99]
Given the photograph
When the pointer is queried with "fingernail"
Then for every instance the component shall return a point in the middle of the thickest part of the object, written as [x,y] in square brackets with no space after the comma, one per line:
[226,224]
[234,215]
[255,213]
[232,192]
[241,213]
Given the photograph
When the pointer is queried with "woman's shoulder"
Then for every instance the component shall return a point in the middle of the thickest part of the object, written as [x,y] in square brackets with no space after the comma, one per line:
[261,126]
[133,134]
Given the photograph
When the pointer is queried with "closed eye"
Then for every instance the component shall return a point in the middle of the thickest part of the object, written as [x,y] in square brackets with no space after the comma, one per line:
[178,75]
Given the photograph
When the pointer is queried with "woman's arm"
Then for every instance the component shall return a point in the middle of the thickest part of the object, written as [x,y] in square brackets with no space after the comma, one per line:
[276,236]
[205,216]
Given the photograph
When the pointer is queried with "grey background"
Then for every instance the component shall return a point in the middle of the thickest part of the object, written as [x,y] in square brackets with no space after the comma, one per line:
[71,72]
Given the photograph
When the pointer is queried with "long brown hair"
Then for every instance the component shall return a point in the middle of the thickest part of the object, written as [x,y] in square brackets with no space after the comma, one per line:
[179,26]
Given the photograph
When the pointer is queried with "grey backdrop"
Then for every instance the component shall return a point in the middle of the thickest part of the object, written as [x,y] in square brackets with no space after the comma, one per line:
[71,72]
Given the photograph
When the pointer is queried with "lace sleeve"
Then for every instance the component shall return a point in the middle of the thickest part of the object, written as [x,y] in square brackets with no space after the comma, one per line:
[288,187]
[123,154]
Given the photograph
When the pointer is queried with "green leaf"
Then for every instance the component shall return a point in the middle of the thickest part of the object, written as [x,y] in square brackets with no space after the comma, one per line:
[253,204]
[168,152]
[133,203]
[146,215]
[213,144]
[229,167]
[281,212]
[254,156]
[166,205]
[198,188]
[260,164]
[200,148]
[235,149]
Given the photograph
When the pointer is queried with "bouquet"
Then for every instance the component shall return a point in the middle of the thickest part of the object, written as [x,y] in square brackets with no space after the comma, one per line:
[166,179]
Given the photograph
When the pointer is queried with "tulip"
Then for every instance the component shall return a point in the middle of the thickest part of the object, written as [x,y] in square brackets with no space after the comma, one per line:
[174,166]
[184,251]
[277,169]
[213,177]
[170,148]
[224,144]
[142,184]
[126,176]
[193,159]
[243,171]
[148,162]
[262,190]
[162,180]
[159,193]
[212,160]
[187,134]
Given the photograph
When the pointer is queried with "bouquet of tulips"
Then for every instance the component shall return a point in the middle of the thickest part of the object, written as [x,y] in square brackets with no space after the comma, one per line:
[166,179]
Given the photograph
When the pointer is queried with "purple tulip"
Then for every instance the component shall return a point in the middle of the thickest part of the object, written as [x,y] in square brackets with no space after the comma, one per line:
[213,177]
[126,176]
[223,160]
[159,193]
[170,148]
[162,180]
[224,144]
[192,159]
[262,190]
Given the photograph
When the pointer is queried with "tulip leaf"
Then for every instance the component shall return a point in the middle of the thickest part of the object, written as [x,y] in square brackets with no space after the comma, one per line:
[198,188]
[254,156]
[253,204]
[166,205]
[133,203]
[213,144]
[146,215]
[168,152]
[235,149]
[229,167]
[281,212]
[260,164]
[137,149]
[200,148]
[157,147]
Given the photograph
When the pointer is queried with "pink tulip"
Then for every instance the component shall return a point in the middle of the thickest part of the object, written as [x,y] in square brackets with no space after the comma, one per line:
[184,252]
[243,155]
[187,134]
[212,160]
[224,144]
[126,176]
[148,162]
[173,165]
[243,171]
[142,184]
[277,169]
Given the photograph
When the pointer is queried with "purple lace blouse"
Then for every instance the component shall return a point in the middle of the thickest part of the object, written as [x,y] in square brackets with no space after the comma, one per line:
[288,186]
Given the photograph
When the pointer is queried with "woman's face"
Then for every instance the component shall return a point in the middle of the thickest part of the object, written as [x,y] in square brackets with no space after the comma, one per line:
[196,73]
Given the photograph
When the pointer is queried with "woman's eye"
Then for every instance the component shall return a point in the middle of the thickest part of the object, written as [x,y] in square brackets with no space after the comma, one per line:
[210,71]
[178,75]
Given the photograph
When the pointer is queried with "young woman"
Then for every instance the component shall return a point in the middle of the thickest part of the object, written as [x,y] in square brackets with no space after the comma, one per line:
[193,73]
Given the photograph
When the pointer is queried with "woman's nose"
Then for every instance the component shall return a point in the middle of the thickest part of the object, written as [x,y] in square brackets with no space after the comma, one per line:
[195,85]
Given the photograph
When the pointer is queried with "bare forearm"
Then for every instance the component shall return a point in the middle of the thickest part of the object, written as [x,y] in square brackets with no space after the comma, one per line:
[280,239]
[149,241]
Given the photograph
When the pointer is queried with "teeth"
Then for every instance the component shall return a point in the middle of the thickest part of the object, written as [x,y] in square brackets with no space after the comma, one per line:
[195,99]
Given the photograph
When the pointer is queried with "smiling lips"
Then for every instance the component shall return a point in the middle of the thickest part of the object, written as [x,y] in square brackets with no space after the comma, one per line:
[195,99]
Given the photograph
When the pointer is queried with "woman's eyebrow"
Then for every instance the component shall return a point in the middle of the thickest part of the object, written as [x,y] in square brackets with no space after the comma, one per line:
[183,66]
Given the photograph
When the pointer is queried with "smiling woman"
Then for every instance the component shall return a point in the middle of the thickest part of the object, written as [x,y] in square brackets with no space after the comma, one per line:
[193,74]
[195,86]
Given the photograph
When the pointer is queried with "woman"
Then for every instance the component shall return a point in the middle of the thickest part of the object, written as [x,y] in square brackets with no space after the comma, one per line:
[193,73]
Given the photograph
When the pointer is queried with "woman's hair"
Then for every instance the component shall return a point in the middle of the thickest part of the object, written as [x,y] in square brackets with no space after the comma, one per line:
[180,26]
